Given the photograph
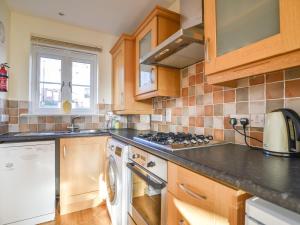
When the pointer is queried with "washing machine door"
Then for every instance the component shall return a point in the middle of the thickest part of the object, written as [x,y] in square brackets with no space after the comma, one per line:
[112,180]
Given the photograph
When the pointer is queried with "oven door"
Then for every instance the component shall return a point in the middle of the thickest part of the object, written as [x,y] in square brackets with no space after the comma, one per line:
[147,196]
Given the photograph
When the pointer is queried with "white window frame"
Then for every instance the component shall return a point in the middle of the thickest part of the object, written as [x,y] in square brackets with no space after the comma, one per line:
[67,56]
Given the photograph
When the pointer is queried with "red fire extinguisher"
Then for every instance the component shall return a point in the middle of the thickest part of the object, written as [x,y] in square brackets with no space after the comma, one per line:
[3,77]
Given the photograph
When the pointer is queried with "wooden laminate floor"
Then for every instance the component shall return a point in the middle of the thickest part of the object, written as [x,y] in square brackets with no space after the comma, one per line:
[94,216]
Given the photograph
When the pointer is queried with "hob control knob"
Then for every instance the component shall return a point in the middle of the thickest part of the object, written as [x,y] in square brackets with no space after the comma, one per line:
[151,164]
[136,156]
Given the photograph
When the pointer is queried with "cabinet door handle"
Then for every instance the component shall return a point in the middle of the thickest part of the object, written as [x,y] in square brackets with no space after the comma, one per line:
[181,222]
[151,77]
[65,151]
[122,98]
[206,50]
[191,193]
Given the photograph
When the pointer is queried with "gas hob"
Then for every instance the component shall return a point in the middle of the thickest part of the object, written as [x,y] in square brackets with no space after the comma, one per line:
[176,141]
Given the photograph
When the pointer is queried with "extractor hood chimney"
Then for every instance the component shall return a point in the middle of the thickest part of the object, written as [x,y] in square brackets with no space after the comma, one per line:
[186,46]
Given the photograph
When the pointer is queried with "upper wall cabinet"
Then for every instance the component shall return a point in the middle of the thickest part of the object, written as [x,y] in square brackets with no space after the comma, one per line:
[238,33]
[123,79]
[152,81]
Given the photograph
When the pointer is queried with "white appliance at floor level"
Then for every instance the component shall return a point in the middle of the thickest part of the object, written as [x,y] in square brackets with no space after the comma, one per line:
[27,183]
[261,212]
[116,181]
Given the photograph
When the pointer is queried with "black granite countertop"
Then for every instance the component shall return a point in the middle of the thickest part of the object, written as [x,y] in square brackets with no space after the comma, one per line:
[272,178]
[36,136]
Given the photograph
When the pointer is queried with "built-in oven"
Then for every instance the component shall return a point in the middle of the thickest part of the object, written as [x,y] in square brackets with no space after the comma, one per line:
[147,188]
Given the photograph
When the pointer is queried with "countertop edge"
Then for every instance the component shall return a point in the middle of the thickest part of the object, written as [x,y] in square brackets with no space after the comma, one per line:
[10,139]
[285,200]
[282,199]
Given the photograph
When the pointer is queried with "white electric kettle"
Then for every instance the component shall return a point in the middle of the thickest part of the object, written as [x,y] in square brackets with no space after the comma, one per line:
[282,133]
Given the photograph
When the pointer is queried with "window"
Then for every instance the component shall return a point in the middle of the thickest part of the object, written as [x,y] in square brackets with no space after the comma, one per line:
[60,75]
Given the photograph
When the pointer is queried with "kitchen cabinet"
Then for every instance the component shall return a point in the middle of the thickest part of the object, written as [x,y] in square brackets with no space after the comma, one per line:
[81,173]
[153,81]
[123,76]
[192,197]
[239,35]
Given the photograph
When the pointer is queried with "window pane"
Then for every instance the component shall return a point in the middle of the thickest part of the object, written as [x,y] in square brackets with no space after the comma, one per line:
[80,97]
[81,73]
[50,95]
[50,70]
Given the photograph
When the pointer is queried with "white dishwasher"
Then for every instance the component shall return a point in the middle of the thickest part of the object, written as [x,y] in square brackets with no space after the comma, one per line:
[27,182]
[261,212]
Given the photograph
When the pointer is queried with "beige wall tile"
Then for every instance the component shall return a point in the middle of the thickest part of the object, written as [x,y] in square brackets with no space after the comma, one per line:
[257,92]
[257,107]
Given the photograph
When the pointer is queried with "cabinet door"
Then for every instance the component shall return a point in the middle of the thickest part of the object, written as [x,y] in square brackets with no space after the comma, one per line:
[81,173]
[240,32]
[118,79]
[173,215]
[146,75]
[198,198]
[183,212]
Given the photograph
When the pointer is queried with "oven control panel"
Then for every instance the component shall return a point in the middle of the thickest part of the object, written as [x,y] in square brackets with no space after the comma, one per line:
[150,162]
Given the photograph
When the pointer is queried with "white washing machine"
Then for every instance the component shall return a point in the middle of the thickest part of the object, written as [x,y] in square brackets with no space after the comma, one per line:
[116,181]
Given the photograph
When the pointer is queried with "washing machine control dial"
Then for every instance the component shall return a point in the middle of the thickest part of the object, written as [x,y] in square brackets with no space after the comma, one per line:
[135,156]
[151,164]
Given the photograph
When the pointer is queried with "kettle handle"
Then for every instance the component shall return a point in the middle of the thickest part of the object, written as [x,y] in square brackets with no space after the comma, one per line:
[293,116]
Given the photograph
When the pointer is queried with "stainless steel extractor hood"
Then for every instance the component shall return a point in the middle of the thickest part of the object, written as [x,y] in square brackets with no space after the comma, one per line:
[186,46]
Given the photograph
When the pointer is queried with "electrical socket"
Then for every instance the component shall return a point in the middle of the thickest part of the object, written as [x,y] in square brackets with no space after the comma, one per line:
[257,120]
[156,118]
[238,117]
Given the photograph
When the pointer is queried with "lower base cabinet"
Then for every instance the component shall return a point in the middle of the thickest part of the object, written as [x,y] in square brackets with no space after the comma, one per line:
[196,200]
[81,173]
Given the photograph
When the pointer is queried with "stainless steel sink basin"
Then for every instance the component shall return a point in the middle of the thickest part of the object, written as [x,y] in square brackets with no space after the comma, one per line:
[58,133]
[88,131]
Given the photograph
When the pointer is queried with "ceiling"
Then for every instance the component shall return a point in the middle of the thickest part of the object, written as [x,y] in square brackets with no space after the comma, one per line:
[110,16]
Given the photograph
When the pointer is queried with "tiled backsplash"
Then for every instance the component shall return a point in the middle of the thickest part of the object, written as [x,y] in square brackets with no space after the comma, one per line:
[203,108]
[21,121]
[138,122]
[3,110]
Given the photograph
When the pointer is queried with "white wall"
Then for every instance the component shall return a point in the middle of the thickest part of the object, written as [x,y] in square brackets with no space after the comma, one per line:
[5,18]
[24,26]
[175,6]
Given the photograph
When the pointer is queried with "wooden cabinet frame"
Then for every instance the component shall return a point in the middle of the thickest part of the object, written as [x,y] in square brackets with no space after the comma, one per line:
[202,198]
[284,42]
[123,63]
[81,173]
[151,27]
[162,23]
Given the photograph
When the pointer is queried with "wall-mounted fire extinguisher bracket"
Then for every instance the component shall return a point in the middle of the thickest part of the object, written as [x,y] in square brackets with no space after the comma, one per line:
[3,77]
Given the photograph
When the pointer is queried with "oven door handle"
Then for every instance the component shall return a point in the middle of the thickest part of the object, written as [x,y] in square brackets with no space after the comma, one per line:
[147,179]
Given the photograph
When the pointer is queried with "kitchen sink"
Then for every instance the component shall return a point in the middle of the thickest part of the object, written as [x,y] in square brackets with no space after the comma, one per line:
[88,131]
[58,133]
